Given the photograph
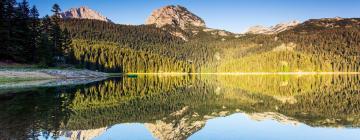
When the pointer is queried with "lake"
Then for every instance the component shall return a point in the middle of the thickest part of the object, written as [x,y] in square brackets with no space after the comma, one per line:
[195,107]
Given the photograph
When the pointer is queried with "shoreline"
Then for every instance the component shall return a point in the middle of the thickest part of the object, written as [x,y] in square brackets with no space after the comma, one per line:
[32,78]
[47,74]
[23,74]
[25,78]
[250,73]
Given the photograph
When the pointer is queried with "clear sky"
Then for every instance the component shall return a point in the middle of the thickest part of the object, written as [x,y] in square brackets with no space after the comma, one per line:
[231,15]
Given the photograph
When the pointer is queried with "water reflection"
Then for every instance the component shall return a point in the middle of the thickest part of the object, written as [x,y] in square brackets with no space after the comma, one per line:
[177,107]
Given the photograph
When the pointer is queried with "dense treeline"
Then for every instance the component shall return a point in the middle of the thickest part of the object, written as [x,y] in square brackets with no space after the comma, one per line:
[110,57]
[307,48]
[144,38]
[316,45]
[26,38]
[131,35]
[338,40]
[280,61]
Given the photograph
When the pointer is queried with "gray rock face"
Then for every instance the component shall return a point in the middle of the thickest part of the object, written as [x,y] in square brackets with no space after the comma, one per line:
[84,134]
[273,29]
[83,13]
[178,129]
[49,77]
[176,16]
[73,73]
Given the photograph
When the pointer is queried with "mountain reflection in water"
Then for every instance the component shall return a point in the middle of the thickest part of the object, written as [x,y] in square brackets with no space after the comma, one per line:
[185,107]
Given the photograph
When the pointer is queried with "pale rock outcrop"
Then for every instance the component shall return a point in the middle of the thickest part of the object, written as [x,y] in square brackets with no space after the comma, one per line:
[83,13]
[175,130]
[178,129]
[83,134]
[273,116]
[217,32]
[176,16]
[273,29]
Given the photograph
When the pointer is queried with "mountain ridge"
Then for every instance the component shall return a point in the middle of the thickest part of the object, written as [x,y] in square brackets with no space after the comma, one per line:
[258,29]
[177,16]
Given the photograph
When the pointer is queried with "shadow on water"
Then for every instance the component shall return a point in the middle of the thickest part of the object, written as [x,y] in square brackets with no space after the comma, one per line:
[168,103]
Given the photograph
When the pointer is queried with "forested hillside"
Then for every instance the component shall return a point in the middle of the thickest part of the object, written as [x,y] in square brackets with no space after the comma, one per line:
[112,57]
[96,30]
[316,45]
[329,44]
[143,48]
[336,39]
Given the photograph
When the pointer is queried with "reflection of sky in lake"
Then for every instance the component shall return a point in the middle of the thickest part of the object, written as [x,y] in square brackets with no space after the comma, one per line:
[239,126]
[131,131]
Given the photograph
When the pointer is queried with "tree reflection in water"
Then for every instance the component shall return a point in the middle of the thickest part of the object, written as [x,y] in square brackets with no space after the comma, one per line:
[175,107]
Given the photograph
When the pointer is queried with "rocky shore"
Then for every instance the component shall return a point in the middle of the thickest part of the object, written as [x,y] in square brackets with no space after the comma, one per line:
[24,78]
[50,73]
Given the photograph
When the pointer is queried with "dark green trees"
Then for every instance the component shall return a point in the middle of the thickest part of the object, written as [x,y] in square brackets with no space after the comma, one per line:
[17,31]
[45,51]
[8,31]
[35,33]
[27,39]
[56,32]
[66,47]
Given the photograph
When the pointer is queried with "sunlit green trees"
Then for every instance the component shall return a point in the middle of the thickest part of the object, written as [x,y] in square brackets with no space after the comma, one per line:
[111,57]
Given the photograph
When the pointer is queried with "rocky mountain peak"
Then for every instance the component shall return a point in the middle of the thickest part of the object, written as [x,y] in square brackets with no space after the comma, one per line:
[83,13]
[273,29]
[177,16]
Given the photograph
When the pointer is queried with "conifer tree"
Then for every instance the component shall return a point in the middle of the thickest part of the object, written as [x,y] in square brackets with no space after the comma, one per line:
[35,32]
[66,46]
[3,29]
[46,49]
[7,29]
[56,31]
[24,34]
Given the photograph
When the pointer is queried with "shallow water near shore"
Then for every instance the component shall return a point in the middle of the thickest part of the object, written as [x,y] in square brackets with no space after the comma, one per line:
[187,107]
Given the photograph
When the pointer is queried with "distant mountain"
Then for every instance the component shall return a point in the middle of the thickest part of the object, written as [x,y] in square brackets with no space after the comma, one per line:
[315,25]
[176,16]
[83,13]
[273,29]
[258,29]
[182,23]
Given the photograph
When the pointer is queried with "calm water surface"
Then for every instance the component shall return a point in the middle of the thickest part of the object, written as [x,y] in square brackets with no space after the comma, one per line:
[187,107]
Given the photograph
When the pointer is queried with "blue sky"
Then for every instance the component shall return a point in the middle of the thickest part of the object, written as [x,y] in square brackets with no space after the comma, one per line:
[231,15]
